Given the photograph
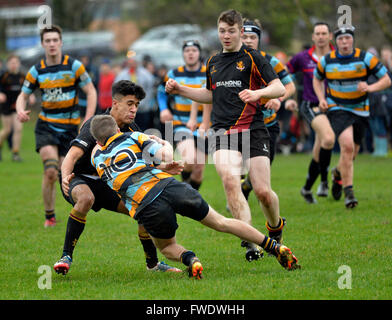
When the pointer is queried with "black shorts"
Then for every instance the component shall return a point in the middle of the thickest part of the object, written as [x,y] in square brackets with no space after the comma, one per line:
[251,143]
[341,120]
[274,132]
[46,136]
[104,196]
[159,217]
[6,109]
[309,110]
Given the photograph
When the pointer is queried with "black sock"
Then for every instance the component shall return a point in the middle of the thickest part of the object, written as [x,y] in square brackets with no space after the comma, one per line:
[348,190]
[49,214]
[269,245]
[325,160]
[75,227]
[195,185]
[185,175]
[186,257]
[150,251]
[313,172]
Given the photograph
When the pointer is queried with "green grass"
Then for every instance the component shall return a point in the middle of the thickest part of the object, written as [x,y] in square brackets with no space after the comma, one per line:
[109,261]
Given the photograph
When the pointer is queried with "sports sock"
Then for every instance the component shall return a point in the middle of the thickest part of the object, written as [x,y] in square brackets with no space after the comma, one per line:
[269,245]
[246,187]
[49,214]
[186,257]
[149,248]
[313,172]
[325,160]
[348,190]
[195,185]
[75,227]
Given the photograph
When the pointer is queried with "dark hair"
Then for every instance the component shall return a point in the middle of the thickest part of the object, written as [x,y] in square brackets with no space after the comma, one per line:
[102,127]
[322,23]
[126,87]
[53,28]
[231,17]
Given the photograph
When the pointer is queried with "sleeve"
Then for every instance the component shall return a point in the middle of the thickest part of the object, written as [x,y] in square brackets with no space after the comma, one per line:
[293,65]
[30,83]
[208,75]
[374,66]
[319,71]
[266,70]
[145,143]
[81,75]
[281,71]
[84,139]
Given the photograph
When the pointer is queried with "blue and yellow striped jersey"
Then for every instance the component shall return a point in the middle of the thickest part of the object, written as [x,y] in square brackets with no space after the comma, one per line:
[125,164]
[58,85]
[182,106]
[284,77]
[343,73]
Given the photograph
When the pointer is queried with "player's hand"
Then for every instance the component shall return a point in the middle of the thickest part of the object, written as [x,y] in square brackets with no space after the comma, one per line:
[165,115]
[203,130]
[157,139]
[65,183]
[172,86]
[248,96]
[191,124]
[291,105]
[273,104]
[3,97]
[323,105]
[172,168]
[363,86]
[23,116]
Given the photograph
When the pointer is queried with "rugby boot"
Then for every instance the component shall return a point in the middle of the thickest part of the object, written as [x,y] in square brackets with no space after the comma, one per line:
[286,258]
[336,184]
[350,201]
[50,222]
[322,190]
[163,267]
[195,268]
[308,196]
[62,266]
[253,252]
[246,187]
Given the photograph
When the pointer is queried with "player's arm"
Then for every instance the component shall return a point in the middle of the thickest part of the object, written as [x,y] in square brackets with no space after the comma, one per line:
[201,95]
[319,90]
[276,103]
[163,104]
[192,122]
[91,94]
[383,83]
[21,103]
[205,124]
[274,89]
[73,155]
[164,151]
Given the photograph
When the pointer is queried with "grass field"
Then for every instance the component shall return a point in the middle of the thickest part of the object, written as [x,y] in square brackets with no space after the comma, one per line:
[109,261]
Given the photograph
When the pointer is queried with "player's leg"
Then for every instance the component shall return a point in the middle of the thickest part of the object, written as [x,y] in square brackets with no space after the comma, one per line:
[50,160]
[346,165]
[228,164]
[325,139]
[16,138]
[6,121]
[245,231]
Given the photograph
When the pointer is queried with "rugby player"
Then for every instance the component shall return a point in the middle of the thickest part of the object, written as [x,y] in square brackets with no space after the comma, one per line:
[238,78]
[58,77]
[346,70]
[305,62]
[124,163]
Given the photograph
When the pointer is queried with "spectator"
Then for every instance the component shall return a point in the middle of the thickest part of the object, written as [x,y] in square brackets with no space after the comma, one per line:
[106,79]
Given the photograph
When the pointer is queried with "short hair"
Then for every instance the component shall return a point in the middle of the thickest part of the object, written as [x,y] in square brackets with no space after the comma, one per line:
[322,23]
[252,26]
[102,127]
[231,17]
[126,87]
[52,28]
[12,56]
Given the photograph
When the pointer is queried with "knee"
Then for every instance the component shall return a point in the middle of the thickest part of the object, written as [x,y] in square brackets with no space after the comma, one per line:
[264,195]
[328,141]
[84,201]
[229,183]
[51,175]
[348,150]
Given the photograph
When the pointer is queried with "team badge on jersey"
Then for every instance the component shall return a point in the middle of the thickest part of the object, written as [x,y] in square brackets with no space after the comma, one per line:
[240,66]
[358,68]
